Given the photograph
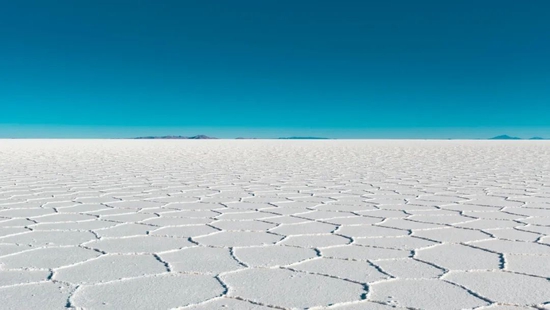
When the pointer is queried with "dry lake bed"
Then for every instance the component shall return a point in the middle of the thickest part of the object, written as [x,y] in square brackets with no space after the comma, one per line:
[269,224]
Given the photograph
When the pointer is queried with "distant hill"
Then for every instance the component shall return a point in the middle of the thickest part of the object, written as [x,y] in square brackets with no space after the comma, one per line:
[200,137]
[197,137]
[536,138]
[303,138]
[504,137]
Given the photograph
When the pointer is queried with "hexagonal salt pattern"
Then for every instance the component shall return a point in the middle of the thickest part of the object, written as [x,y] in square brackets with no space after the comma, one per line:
[274,224]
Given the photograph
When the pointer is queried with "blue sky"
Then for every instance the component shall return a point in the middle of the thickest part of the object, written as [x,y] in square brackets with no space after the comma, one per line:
[342,69]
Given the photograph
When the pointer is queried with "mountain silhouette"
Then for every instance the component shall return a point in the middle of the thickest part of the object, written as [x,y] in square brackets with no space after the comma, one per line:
[303,138]
[197,137]
[504,137]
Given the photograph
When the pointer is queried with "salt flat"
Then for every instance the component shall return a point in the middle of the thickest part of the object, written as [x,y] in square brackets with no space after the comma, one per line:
[258,224]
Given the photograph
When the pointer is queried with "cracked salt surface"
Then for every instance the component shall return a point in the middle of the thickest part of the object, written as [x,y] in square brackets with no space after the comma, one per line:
[228,225]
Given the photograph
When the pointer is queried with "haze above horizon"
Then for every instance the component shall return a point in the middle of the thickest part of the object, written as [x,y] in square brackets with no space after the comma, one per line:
[346,69]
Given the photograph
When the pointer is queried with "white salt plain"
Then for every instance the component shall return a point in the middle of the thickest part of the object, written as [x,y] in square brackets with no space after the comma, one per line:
[257,224]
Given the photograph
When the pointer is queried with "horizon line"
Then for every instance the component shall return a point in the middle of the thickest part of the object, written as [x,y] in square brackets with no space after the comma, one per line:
[314,139]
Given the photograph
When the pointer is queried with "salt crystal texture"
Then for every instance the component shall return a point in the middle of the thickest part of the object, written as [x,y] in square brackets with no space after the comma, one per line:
[271,224]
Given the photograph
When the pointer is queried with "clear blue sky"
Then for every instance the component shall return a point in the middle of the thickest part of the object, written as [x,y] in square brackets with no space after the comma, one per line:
[350,69]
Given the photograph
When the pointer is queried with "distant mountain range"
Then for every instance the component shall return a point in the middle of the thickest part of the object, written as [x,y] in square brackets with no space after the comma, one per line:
[504,137]
[507,137]
[203,137]
[303,138]
[287,138]
[197,137]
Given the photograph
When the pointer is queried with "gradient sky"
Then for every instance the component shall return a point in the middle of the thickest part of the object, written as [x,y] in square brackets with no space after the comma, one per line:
[349,69]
